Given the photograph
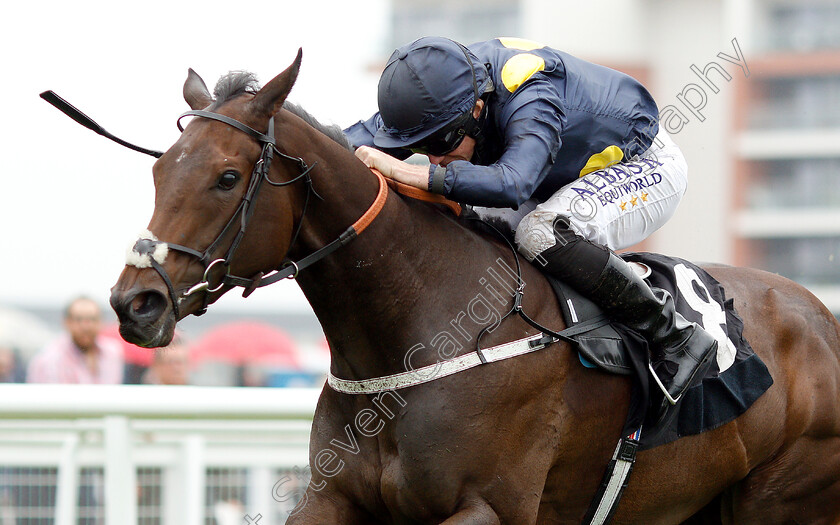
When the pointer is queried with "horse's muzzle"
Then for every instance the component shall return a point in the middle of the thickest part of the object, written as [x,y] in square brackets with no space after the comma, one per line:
[146,317]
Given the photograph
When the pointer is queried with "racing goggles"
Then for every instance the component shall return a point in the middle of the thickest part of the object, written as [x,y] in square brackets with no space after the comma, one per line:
[448,138]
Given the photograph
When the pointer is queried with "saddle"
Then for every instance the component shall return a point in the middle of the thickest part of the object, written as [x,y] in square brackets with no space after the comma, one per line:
[602,346]
[733,383]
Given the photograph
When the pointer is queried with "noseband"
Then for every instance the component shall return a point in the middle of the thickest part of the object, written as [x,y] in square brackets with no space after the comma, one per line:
[289,269]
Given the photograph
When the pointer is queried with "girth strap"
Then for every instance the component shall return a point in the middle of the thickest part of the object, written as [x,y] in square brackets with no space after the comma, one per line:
[615,480]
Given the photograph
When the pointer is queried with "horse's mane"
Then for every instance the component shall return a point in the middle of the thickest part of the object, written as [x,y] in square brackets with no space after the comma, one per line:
[238,83]
[333,131]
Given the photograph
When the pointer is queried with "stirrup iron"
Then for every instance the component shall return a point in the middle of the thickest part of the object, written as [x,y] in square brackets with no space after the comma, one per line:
[662,386]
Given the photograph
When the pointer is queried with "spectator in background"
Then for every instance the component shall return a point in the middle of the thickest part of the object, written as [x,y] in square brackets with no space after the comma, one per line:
[170,366]
[81,355]
[10,371]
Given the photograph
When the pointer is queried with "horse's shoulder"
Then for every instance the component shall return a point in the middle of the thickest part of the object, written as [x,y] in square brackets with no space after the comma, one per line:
[771,287]
[771,304]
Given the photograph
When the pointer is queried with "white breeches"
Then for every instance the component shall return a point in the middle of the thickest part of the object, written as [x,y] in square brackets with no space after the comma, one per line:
[616,206]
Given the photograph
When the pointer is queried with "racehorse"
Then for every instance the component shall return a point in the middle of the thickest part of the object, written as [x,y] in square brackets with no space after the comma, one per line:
[523,440]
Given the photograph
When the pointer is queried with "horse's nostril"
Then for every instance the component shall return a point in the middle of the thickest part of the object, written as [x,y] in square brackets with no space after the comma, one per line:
[149,305]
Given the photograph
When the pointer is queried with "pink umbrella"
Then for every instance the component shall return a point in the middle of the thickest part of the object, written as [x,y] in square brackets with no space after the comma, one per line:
[246,342]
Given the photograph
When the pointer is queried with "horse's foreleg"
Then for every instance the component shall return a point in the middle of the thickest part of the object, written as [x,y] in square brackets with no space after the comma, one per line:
[476,513]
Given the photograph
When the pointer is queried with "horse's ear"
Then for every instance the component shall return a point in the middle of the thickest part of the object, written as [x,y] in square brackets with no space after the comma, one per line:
[195,91]
[270,98]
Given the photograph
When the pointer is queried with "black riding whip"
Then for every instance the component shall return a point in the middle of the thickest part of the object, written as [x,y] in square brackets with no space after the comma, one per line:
[69,110]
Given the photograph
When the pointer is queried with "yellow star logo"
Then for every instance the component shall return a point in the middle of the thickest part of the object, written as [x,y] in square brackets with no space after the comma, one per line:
[644,196]
[623,206]
[634,200]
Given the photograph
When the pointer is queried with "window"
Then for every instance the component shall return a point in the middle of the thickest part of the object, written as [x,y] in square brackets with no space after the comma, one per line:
[460,21]
[808,260]
[803,27]
[807,183]
[800,102]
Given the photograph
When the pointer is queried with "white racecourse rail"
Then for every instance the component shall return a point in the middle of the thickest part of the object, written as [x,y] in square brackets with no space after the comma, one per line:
[152,455]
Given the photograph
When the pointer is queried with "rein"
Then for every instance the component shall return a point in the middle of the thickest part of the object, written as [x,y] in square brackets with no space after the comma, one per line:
[289,269]
[422,195]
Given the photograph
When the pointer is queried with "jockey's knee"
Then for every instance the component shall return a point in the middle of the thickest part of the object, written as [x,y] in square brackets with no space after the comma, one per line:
[541,230]
[535,234]
[551,241]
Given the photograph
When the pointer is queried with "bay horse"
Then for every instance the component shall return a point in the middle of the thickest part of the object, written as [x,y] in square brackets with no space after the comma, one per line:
[520,441]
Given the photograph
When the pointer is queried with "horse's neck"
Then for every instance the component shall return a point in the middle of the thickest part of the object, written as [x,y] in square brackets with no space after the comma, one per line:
[413,278]
[401,285]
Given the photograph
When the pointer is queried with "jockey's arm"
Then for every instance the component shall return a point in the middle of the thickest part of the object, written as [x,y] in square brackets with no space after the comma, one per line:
[388,161]
[531,127]
[393,168]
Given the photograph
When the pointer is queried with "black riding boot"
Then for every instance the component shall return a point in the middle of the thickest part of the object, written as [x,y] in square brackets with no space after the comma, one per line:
[686,348]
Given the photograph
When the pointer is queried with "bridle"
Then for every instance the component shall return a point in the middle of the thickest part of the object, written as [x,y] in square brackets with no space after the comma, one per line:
[288,269]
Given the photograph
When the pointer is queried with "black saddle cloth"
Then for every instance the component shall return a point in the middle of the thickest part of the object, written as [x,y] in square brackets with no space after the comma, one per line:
[735,380]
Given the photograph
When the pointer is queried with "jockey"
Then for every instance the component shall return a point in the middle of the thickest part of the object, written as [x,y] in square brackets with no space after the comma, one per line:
[567,153]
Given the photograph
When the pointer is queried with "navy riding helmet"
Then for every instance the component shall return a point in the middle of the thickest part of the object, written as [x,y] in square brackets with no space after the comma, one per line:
[426,96]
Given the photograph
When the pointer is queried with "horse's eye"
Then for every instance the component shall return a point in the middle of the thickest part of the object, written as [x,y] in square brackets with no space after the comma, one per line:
[228,180]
